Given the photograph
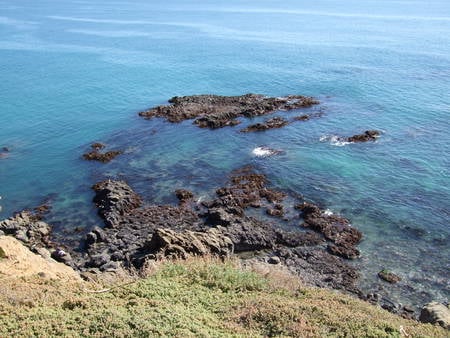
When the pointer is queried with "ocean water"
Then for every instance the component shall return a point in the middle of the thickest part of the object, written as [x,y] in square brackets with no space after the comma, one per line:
[76,72]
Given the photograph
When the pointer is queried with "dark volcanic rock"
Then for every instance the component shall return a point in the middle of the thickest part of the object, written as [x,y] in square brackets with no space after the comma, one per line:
[276,122]
[219,120]
[368,135]
[213,111]
[95,155]
[135,234]
[249,234]
[115,199]
[317,267]
[389,276]
[335,228]
[184,195]
[292,239]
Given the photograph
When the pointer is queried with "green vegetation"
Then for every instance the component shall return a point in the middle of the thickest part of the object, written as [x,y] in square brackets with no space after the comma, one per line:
[2,253]
[197,298]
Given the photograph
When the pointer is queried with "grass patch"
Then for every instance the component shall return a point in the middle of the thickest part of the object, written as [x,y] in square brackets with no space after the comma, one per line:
[197,298]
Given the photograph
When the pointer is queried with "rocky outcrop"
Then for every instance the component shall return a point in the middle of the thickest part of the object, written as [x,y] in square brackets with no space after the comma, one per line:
[436,313]
[214,111]
[114,200]
[135,234]
[96,155]
[166,243]
[246,188]
[368,135]
[276,122]
[335,228]
[27,227]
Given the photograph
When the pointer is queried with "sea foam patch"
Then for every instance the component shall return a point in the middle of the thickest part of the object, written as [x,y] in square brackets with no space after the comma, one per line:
[334,140]
[264,151]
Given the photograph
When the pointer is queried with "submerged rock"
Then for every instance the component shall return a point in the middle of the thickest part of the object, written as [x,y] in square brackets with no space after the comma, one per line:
[436,313]
[96,155]
[276,122]
[102,157]
[214,111]
[389,276]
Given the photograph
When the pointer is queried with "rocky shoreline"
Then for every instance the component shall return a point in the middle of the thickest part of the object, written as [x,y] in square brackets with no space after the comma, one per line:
[137,233]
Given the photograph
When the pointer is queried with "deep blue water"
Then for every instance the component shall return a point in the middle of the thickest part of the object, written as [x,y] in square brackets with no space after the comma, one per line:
[75,72]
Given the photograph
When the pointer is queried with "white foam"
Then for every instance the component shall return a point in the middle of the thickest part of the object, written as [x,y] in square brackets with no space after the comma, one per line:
[264,151]
[334,140]
[328,212]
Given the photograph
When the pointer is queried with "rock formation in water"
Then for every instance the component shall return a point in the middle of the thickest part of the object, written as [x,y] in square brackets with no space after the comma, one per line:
[275,122]
[214,111]
[104,157]
[368,135]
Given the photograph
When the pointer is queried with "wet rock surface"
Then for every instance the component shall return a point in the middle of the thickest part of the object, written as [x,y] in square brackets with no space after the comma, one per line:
[368,135]
[136,233]
[335,228]
[104,157]
[389,276]
[114,200]
[276,122]
[184,196]
[214,111]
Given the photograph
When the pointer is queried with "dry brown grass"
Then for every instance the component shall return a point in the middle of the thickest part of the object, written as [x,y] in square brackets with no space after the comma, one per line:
[199,297]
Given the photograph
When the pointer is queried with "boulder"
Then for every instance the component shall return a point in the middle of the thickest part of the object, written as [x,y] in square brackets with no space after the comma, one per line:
[115,199]
[368,135]
[389,276]
[436,313]
[172,244]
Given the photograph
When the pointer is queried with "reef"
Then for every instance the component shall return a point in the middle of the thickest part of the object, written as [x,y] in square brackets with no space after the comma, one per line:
[214,111]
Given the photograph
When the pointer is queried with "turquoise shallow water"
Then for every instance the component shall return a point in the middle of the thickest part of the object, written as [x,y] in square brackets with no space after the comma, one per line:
[75,72]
